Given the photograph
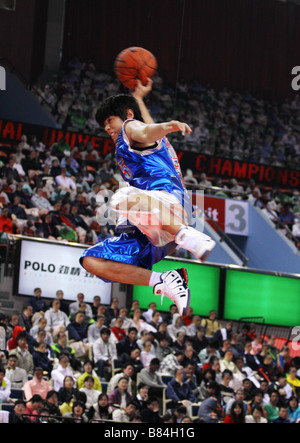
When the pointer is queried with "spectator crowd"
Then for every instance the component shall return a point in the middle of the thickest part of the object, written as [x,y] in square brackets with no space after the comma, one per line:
[87,363]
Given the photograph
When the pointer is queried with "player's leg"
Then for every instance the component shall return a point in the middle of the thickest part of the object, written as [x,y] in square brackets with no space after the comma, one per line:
[153,215]
[172,284]
[116,271]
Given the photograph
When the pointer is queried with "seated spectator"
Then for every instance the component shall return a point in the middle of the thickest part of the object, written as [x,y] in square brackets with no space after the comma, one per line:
[68,390]
[200,341]
[248,388]
[117,330]
[62,371]
[240,397]
[112,311]
[56,318]
[34,407]
[210,410]
[77,328]
[104,351]
[171,362]
[25,359]
[227,362]
[149,377]
[142,396]
[5,386]
[48,229]
[88,368]
[282,416]
[140,324]
[210,324]
[74,307]
[163,349]
[148,315]
[128,372]
[91,393]
[292,378]
[176,327]
[256,416]
[94,329]
[193,327]
[272,407]
[6,223]
[40,202]
[293,409]
[52,404]
[77,415]
[226,392]
[147,353]
[18,413]
[100,409]
[37,385]
[119,397]
[60,347]
[124,414]
[129,343]
[41,326]
[179,344]
[151,414]
[236,415]
[64,182]
[41,358]
[258,400]
[17,376]
[179,391]
[25,318]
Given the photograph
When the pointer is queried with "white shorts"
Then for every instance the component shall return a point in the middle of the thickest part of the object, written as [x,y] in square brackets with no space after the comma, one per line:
[146,213]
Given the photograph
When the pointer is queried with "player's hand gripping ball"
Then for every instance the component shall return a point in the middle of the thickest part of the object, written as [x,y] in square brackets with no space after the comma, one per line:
[134,63]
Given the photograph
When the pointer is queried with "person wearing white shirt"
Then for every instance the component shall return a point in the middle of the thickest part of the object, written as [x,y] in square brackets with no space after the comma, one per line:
[94,330]
[64,182]
[59,374]
[91,393]
[104,351]
[17,376]
[74,307]
[5,387]
[149,314]
[55,318]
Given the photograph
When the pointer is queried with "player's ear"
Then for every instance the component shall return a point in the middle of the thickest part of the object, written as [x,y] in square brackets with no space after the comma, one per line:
[130,114]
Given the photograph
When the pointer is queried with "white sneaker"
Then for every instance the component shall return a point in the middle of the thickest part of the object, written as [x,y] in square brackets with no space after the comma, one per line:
[196,242]
[174,286]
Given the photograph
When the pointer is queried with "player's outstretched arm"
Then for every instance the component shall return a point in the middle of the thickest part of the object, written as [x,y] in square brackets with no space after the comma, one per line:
[150,133]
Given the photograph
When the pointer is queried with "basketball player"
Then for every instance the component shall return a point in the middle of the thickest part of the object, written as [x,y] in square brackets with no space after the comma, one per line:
[154,209]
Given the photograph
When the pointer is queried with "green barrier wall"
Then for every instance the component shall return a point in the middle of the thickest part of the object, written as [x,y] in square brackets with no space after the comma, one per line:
[233,292]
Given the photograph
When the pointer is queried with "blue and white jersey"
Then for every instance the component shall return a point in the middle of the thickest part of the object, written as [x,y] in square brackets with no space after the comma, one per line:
[156,168]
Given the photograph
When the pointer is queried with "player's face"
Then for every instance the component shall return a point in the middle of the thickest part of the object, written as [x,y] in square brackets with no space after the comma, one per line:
[113,126]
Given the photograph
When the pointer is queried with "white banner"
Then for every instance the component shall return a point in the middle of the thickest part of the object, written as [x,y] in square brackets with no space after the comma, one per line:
[52,267]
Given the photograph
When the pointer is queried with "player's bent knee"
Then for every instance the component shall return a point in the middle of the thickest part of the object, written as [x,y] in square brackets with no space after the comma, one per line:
[94,265]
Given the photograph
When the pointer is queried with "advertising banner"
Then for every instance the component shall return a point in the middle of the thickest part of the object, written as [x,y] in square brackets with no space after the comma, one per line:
[54,266]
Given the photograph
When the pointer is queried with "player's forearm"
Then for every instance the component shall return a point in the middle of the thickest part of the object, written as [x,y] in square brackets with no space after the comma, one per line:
[144,111]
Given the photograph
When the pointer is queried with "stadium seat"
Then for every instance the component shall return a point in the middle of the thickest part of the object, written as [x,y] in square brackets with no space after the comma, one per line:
[17,394]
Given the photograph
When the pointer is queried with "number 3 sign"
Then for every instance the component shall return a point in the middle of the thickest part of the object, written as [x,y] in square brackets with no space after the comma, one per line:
[236,217]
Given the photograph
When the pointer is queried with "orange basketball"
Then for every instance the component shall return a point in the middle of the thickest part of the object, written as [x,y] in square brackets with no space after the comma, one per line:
[134,63]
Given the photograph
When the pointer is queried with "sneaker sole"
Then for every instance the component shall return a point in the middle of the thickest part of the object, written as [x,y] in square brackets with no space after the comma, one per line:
[184,274]
[185,310]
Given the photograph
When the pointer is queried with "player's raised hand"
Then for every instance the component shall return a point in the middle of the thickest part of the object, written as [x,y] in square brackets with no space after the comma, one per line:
[141,90]
[176,126]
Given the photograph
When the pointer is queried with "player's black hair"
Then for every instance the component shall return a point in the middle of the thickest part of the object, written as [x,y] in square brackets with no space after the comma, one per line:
[118,105]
